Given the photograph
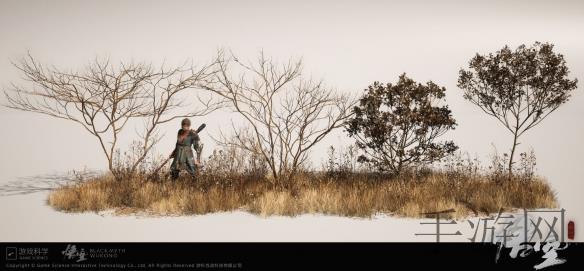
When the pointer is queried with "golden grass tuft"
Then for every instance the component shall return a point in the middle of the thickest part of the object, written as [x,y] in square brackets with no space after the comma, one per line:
[353,195]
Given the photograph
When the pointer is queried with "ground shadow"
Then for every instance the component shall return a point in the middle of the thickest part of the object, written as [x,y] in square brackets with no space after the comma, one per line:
[45,182]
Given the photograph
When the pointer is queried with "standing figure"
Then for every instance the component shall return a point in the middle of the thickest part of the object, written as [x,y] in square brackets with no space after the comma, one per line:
[183,153]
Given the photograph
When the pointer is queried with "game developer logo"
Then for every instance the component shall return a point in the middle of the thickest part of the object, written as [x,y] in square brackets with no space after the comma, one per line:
[79,254]
[11,254]
[27,253]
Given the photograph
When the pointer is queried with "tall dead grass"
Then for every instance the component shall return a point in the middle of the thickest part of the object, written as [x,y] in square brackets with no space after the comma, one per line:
[355,195]
[232,181]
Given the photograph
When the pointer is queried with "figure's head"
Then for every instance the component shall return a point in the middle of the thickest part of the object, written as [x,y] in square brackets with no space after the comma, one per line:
[185,124]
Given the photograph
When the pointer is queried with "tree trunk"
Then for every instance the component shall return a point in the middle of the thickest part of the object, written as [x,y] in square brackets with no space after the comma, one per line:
[114,172]
[512,154]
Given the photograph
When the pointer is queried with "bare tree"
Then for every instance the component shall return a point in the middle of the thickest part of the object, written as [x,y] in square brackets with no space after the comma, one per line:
[167,100]
[104,98]
[284,114]
[519,88]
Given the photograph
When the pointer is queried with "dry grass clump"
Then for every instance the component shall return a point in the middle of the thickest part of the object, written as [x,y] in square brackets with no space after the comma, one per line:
[232,181]
[354,195]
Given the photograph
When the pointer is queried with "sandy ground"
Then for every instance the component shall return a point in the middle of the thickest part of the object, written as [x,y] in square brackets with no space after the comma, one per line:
[31,219]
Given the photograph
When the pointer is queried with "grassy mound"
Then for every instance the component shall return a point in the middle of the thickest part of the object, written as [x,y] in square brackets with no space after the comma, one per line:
[351,195]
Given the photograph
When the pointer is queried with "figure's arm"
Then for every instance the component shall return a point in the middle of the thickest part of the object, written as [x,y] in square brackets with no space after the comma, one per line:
[173,154]
[196,139]
[197,146]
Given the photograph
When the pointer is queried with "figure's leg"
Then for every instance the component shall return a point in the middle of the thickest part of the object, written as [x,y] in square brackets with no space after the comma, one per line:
[174,174]
[191,168]
[174,170]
